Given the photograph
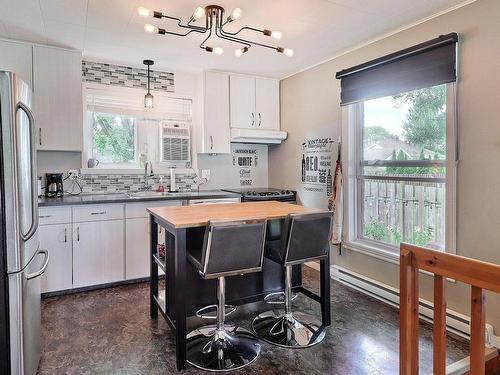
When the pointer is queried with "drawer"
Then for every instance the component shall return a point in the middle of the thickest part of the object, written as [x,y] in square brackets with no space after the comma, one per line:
[138,210]
[54,215]
[97,212]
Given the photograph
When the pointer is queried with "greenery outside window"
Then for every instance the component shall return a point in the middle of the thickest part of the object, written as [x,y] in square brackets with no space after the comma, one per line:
[404,162]
[114,138]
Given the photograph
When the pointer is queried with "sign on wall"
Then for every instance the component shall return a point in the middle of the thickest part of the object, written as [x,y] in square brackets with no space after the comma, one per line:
[316,166]
[246,160]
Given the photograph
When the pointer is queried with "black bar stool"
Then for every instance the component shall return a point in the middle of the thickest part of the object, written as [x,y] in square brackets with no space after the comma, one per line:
[305,238]
[230,248]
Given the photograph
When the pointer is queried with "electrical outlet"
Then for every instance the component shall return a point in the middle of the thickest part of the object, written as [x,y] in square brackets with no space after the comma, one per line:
[205,174]
[73,174]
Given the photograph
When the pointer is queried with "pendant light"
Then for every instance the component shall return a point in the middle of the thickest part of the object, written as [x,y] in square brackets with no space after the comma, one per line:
[148,98]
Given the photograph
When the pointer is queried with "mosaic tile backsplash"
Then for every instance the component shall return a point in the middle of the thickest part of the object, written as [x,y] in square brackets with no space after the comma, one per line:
[118,75]
[94,184]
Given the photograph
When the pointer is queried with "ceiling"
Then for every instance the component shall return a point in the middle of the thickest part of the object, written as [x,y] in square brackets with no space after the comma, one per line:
[112,31]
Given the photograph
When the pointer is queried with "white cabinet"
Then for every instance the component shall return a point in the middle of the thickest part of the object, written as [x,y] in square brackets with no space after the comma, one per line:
[58,98]
[137,238]
[56,238]
[17,58]
[254,102]
[267,103]
[242,101]
[98,252]
[215,134]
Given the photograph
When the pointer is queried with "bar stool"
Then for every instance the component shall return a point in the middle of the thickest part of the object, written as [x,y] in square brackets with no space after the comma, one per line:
[305,238]
[229,248]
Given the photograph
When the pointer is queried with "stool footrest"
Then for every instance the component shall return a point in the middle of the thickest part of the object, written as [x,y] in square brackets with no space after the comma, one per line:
[204,312]
[277,298]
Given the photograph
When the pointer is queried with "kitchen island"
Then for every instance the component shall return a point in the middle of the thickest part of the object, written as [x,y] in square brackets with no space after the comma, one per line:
[186,291]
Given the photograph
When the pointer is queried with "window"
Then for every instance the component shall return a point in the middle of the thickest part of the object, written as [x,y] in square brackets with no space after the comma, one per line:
[399,149]
[121,134]
[401,172]
[114,138]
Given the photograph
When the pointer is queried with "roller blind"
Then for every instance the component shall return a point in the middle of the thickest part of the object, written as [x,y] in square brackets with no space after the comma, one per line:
[427,64]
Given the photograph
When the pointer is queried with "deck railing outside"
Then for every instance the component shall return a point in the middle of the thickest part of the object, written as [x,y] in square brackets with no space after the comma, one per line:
[480,275]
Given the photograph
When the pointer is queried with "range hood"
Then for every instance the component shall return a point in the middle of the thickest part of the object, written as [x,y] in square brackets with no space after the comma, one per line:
[269,137]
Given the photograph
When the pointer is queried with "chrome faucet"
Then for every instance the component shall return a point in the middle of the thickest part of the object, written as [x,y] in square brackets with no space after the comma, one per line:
[147,175]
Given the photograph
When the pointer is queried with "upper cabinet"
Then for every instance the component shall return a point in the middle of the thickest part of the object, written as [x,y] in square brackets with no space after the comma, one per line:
[17,58]
[254,102]
[58,98]
[215,136]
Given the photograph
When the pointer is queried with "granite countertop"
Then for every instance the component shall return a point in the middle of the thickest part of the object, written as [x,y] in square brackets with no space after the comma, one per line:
[125,198]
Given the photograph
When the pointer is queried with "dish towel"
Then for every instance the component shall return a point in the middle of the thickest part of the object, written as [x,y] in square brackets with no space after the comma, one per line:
[335,202]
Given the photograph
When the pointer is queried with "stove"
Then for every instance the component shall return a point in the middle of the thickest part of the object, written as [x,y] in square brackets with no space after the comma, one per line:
[265,194]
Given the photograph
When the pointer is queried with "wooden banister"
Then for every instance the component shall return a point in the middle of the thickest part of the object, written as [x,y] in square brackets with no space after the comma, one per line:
[480,275]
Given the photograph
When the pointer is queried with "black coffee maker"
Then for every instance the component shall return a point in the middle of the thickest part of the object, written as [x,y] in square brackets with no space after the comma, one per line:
[54,185]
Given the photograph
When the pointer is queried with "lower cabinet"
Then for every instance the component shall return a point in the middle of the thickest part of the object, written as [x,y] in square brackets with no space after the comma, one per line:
[98,252]
[137,248]
[57,239]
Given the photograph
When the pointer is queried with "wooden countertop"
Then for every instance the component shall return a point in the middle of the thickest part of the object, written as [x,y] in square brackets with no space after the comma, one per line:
[199,215]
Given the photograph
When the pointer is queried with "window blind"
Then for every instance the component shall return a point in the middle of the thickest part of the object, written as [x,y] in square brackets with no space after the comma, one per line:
[427,64]
[165,107]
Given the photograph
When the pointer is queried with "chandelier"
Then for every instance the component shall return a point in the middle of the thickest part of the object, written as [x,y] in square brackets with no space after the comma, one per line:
[214,24]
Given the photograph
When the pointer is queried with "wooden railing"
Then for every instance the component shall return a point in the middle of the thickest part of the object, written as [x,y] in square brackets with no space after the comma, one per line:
[480,275]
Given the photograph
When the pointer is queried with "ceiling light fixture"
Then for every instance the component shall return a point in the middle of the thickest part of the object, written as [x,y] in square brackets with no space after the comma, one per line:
[214,24]
[148,98]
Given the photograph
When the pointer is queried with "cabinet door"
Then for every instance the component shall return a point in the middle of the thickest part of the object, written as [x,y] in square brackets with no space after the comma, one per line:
[217,135]
[58,99]
[137,248]
[17,58]
[267,104]
[242,99]
[57,240]
[98,253]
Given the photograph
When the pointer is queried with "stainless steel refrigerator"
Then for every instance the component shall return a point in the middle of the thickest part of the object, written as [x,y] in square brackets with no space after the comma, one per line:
[22,261]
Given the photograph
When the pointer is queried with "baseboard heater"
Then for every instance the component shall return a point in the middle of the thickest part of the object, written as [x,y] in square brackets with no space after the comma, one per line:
[455,321]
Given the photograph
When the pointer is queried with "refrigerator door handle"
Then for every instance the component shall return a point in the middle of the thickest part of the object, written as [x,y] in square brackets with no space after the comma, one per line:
[34,194]
[42,269]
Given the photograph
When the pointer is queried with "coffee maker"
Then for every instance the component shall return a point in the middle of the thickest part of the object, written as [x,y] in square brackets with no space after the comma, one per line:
[54,185]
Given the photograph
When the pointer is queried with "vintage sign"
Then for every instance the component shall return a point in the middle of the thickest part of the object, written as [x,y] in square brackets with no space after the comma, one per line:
[246,159]
[316,165]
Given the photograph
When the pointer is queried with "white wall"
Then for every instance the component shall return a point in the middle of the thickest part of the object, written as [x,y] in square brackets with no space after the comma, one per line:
[310,107]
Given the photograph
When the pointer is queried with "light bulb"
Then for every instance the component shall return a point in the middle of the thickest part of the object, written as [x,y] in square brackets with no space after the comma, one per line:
[288,52]
[240,51]
[148,100]
[218,51]
[276,35]
[236,13]
[150,28]
[198,13]
[144,12]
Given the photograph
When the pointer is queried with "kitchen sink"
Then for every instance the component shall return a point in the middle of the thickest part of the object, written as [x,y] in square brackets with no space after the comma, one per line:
[146,194]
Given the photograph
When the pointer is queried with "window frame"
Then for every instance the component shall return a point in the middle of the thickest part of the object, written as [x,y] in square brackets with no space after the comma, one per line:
[352,154]
[130,102]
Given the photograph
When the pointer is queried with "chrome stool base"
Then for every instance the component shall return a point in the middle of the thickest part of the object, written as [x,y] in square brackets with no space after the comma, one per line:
[298,330]
[229,349]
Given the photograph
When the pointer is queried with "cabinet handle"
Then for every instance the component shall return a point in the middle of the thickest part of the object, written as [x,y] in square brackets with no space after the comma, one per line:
[260,119]
[211,143]
[98,213]
[65,234]
[253,119]
[40,136]
[78,233]
[44,216]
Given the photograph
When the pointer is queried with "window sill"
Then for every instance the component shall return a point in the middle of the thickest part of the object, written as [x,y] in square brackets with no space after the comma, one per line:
[366,248]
